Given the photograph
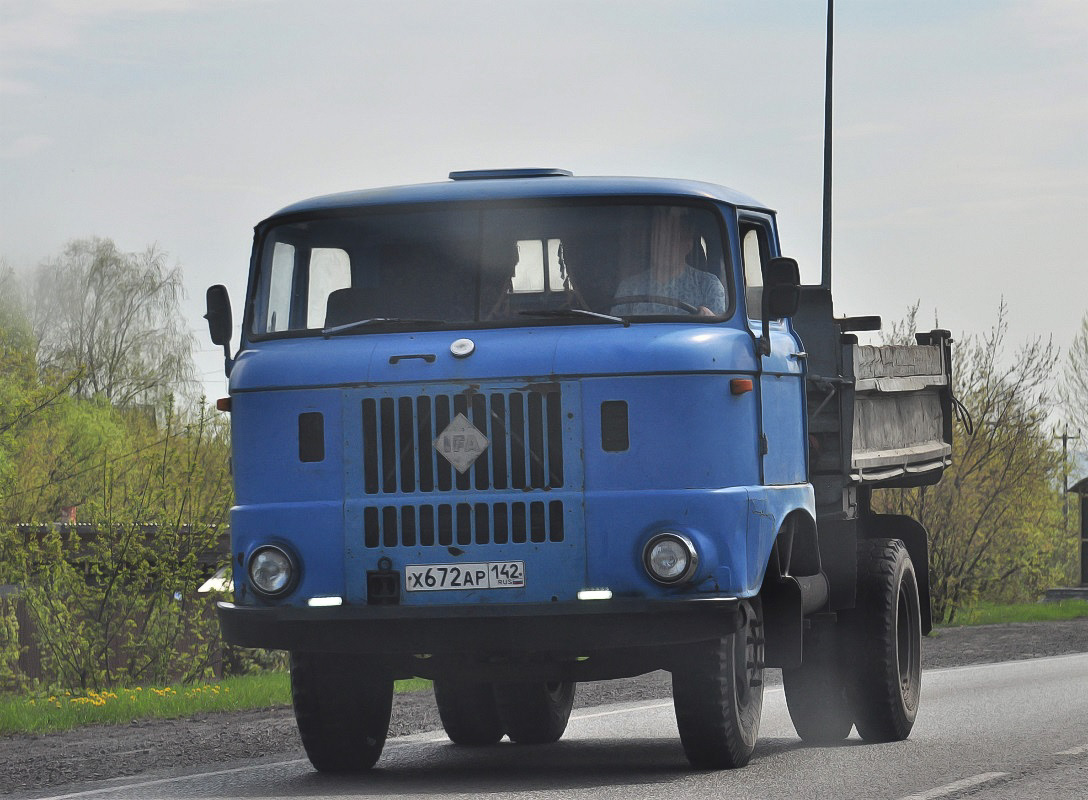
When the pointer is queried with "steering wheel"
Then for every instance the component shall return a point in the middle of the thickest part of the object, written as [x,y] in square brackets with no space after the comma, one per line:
[657,300]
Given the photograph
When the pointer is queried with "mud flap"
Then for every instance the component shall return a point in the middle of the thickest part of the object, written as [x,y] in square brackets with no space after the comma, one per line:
[782,622]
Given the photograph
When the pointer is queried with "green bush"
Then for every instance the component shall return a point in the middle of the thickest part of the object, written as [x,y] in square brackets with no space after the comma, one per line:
[114,602]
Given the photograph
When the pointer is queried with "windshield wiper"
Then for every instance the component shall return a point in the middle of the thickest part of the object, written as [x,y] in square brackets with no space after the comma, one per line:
[362,323]
[574,312]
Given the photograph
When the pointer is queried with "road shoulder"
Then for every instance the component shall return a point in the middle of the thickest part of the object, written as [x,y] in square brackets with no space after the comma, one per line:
[104,752]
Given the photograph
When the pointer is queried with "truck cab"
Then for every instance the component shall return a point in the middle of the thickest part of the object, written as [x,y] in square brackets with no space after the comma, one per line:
[522,429]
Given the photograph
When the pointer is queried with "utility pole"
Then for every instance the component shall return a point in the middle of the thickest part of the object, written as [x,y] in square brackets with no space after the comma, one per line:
[825,237]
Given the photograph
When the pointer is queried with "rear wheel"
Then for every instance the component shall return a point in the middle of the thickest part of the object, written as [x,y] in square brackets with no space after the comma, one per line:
[888,630]
[535,713]
[718,695]
[469,712]
[342,707]
[816,692]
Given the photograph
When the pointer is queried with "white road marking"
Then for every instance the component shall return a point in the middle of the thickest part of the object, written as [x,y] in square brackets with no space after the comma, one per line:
[958,786]
[993,664]
[577,717]
[161,781]
[1074,751]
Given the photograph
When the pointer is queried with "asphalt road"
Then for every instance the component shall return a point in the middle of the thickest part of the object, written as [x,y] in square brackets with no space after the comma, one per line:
[1010,730]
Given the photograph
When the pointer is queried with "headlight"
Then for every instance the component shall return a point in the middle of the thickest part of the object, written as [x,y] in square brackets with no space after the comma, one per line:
[670,558]
[272,571]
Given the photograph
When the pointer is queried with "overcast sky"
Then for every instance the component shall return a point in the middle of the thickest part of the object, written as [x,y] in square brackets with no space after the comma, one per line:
[961,127]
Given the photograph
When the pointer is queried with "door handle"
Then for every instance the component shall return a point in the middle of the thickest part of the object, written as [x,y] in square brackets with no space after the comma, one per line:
[800,355]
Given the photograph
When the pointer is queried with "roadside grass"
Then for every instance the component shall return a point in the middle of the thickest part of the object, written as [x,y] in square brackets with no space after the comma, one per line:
[67,710]
[995,613]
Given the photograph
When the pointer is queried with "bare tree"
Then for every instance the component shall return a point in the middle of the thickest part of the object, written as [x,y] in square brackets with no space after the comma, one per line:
[114,320]
[1074,390]
[994,521]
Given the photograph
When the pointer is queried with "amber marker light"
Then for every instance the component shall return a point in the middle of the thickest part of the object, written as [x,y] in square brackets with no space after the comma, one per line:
[740,385]
[223,404]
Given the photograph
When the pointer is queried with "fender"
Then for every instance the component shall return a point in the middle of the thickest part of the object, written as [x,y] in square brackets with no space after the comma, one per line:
[916,538]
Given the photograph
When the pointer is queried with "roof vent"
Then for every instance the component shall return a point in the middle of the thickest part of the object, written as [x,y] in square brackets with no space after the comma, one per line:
[531,172]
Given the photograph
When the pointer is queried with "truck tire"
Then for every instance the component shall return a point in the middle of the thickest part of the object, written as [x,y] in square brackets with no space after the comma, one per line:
[342,707]
[468,711]
[535,713]
[717,693]
[816,692]
[887,628]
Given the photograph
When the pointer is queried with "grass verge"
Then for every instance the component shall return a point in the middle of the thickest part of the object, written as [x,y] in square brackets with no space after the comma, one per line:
[994,613]
[66,710]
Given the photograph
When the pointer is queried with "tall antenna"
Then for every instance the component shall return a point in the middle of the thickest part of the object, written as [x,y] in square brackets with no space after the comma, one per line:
[825,270]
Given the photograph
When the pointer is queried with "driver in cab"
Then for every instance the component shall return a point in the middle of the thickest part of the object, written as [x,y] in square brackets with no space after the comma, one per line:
[671,285]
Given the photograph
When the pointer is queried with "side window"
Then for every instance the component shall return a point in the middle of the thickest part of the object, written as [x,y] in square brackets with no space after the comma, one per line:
[754,251]
[281,282]
[330,269]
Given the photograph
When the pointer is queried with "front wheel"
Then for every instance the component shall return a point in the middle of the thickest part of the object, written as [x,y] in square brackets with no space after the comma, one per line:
[469,713]
[887,628]
[717,692]
[342,707]
[535,713]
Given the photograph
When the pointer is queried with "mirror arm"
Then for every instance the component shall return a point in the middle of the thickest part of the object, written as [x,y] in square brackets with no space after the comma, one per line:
[228,362]
[763,343]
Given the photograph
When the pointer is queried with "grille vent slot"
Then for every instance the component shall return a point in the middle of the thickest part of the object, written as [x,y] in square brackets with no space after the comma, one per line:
[524,429]
[449,524]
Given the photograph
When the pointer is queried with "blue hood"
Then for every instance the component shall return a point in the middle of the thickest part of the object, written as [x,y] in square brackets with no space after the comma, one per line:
[369,359]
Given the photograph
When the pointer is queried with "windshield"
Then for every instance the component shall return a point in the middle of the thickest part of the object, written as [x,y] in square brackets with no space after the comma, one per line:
[494,265]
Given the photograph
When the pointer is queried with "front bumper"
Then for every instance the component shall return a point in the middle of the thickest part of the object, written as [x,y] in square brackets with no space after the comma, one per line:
[514,629]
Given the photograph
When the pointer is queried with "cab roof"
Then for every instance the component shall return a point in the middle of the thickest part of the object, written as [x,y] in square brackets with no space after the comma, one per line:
[520,184]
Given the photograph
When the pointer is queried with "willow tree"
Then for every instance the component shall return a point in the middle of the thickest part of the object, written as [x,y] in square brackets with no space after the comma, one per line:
[113,320]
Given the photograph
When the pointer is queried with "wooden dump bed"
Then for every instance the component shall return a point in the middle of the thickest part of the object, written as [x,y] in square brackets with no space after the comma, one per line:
[900,409]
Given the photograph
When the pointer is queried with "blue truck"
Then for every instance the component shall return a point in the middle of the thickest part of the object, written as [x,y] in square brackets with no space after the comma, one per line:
[521,429]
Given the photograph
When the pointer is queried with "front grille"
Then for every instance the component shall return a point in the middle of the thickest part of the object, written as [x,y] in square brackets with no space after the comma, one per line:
[448,524]
[524,428]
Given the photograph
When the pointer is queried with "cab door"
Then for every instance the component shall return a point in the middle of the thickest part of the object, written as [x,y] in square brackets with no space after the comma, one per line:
[782,371]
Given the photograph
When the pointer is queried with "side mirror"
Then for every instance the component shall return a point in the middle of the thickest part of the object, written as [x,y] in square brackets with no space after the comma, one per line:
[781,296]
[781,288]
[220,321]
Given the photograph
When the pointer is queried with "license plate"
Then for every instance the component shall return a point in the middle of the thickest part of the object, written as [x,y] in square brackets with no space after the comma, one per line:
[483,575]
